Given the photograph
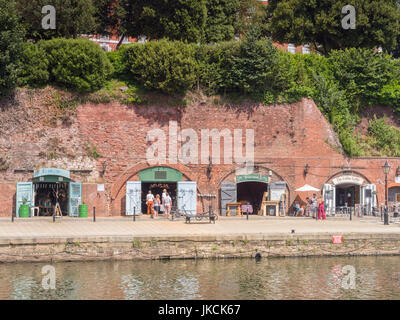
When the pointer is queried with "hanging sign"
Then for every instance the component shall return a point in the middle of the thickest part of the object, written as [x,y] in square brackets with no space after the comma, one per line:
[52,172]
[348,180]
[100,187]
[251,177]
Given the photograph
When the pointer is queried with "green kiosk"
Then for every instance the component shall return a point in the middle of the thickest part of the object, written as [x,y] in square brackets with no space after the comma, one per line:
[48,187]
[156,179]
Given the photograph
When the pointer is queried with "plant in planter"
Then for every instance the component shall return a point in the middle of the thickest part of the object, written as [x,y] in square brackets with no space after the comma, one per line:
[24,209]
[83,210]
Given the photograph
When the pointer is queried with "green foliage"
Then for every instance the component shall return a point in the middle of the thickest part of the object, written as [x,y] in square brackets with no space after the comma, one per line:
[248,67]
[34,66]
[91,152]
[72,18]
[386,137]
[319,23]
[76,64]
[363,74]
[11,41]
[168,66]
[173,19]
[117,60]
[221,17]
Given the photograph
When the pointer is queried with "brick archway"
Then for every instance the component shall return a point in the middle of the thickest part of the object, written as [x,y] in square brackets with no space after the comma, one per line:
[278,177]
[118,188]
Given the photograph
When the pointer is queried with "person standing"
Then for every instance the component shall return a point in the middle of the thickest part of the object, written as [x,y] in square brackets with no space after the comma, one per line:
[314,205]
[150,202]
[157,203]
[321,209]
[163,195]
[167,205]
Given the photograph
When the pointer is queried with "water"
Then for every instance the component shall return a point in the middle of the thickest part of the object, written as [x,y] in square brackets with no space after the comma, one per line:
[290,278]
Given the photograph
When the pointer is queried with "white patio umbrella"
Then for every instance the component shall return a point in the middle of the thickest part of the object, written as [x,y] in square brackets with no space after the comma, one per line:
[306,188]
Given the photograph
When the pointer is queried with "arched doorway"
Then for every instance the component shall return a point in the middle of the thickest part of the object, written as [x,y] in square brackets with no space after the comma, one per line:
[48,187]
[252,192]
[349,190]
[156,179]
[254,187]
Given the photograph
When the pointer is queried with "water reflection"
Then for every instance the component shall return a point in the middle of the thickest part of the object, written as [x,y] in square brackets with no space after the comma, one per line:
[291,278]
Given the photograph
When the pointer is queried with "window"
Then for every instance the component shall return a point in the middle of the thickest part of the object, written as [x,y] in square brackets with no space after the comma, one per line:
[291,48]
[306,49]
[142,39]
[105,47]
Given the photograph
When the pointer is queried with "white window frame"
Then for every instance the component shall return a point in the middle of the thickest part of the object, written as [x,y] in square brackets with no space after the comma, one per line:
[291,48]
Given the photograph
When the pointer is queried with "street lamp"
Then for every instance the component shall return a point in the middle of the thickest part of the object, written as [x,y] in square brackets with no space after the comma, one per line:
[386,169]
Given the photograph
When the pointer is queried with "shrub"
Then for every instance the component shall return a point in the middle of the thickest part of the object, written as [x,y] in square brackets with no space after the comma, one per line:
[11,40]
[77,64]
[387,138]
[215,65]
[168,66]
[34,66]
[118,62]
[363,73]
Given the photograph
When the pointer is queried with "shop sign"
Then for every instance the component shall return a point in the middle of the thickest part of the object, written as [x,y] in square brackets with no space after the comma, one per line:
[52,172]
[251,177]
[348,180]
[337,239]
[397,180]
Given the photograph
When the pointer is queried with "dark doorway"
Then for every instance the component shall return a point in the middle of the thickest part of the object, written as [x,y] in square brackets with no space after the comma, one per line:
[347,195]
[157,188]
[47,194]
[251,193]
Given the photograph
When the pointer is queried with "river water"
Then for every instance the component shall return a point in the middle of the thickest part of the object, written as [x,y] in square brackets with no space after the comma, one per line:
[278,278]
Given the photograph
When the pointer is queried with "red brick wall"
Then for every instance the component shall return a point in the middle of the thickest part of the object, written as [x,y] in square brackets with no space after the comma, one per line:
[287,137]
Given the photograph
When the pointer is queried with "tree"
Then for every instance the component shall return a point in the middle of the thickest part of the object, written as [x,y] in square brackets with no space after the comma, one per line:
[319,22]
[106,21]
[173,19]
[73,17]
[251,13]
[221,18]
[11,42]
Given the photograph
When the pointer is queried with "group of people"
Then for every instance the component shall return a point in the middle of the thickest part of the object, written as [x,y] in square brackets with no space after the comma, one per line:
[313,206]
[155,205]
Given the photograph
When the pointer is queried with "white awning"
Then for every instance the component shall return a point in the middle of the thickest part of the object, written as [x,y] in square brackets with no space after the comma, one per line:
[307,187]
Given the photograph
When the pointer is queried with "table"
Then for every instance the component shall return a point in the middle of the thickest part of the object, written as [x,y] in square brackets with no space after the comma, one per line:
[48,210]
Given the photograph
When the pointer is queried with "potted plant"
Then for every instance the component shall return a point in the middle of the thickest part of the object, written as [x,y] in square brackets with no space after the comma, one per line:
[83,210]
[24,209]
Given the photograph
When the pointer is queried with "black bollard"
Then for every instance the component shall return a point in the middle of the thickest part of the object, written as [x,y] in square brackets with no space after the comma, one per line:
[12,216]
[134,214]
[350,213]
[247,212]
[54,218]
[94,214]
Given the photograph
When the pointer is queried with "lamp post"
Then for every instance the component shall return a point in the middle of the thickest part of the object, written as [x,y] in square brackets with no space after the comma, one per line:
[386,169]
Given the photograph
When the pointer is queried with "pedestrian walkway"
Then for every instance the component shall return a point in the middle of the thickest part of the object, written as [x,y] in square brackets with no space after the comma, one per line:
[146,227]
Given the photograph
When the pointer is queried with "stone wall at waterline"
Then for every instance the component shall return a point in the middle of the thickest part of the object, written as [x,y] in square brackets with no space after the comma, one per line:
[200,247]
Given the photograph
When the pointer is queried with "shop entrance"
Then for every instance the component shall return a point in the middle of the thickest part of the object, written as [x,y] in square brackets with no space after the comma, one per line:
[157,188]
[347,195]
[46,196]
[252,193]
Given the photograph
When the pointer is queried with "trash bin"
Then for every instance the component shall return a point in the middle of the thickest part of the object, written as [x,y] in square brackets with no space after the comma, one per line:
[83,211]
[24,211]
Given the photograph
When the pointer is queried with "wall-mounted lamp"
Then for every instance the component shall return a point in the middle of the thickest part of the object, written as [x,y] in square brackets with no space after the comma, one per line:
[209,168]
[398,171]
[104,165]
[270,173]
[306,169]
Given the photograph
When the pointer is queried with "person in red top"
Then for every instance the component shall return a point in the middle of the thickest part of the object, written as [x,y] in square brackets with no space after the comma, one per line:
[321,209]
